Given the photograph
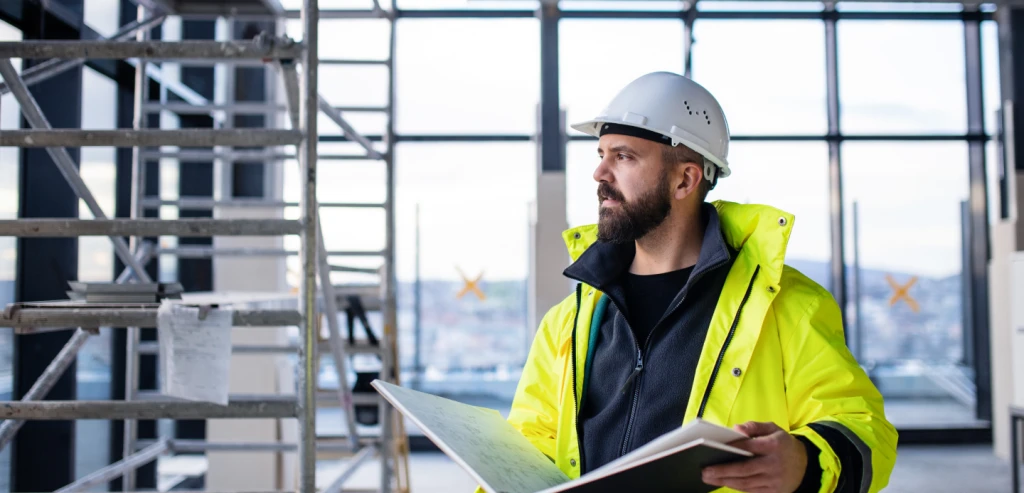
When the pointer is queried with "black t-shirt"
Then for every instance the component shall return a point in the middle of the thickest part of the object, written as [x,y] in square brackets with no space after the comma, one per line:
[648,297]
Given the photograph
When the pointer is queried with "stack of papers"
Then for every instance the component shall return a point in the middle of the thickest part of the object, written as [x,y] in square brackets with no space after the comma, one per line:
[107,292]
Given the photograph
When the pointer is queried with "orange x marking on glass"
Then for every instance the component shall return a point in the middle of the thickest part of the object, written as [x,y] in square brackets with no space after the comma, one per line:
[901,292]
[471,286]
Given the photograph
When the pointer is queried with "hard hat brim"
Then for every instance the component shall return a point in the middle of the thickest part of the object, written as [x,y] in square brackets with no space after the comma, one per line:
[593,128]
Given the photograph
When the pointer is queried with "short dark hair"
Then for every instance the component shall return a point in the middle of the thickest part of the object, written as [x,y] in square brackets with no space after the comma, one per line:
[683,154]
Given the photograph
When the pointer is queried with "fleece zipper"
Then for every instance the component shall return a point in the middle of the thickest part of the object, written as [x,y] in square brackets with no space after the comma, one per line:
[634,377]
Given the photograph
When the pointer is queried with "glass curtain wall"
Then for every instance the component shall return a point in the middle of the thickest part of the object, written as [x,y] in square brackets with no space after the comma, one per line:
[900,87]
[468,84]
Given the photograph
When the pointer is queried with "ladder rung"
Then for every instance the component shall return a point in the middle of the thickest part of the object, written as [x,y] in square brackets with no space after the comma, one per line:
[198,446]
[196,155]
[140,138]
[344,14]
[209,252]
[358,398]
[358,270]
[185,204]
[250,108]
[63,228]
[325,395]
[36,320]
[273,407]
[356,253]
[360,347]
[337,61]
[344,157]
[153,50]
[199,109]
[260,156]
[351,205]
[362,109]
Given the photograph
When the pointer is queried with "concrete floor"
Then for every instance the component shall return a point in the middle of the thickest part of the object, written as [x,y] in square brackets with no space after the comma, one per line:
[943,469]
[934,469]
[967,468]
[952,469]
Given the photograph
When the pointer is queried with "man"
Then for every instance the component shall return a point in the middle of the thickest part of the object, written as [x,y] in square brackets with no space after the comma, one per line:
[684,309]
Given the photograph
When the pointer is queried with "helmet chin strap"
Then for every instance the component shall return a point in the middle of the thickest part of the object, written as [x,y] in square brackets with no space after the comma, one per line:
[711,173]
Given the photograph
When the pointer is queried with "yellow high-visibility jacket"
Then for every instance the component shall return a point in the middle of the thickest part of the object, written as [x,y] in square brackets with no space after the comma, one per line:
[783,360]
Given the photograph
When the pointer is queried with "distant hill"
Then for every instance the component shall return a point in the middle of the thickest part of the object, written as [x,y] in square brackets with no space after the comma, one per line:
[6,293]
[820,272]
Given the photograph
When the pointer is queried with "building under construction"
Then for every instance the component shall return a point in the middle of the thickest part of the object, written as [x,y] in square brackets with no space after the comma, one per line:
[360,190]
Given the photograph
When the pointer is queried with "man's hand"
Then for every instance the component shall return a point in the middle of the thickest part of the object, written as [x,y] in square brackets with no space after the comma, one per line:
[778,464]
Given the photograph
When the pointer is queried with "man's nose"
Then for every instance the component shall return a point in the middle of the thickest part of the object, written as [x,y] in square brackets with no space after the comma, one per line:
[602,173]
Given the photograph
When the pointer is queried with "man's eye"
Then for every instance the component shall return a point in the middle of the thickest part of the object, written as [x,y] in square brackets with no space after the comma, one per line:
[623,156]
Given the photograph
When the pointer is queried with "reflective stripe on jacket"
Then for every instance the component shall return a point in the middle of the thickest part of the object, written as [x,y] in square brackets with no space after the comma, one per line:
[774,351]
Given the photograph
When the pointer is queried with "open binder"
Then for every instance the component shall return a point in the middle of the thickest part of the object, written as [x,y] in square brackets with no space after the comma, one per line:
[502,460]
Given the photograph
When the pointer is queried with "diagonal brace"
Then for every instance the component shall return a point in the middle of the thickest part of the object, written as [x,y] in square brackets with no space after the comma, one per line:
[60,156]
[46,382]
[350,132]
[119,468]
[56,368]
[55,66]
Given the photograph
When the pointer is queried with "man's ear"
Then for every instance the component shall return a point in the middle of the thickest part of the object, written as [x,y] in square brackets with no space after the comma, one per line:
[689,178]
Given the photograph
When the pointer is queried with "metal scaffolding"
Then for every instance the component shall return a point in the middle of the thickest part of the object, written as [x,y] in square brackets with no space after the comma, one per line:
[297,65]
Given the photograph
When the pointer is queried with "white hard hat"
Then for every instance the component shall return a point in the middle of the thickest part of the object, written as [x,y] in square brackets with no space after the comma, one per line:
[673,106]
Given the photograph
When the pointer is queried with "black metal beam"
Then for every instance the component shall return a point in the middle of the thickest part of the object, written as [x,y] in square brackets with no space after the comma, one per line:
[978,235]
[1005,128]
[551,128]
[44,266]
[464,14]
[249,179]
[440,138]
[835,138]
[675,14]
[1016,36]
[196,181]
[835,171]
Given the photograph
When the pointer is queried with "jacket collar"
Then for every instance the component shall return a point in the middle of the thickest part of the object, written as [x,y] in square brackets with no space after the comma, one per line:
[604,263]
[758,230]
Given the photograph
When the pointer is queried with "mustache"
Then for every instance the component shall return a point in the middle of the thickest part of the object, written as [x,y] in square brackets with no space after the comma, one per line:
[605,191]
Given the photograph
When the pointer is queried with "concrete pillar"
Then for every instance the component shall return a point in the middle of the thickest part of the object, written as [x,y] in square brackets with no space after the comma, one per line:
[250,373]
[548,255]
[1000,305]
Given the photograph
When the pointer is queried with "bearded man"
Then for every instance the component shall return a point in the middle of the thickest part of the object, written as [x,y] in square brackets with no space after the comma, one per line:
[685,309]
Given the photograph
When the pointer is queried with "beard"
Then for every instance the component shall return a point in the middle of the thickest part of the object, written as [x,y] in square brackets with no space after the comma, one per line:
[633,220]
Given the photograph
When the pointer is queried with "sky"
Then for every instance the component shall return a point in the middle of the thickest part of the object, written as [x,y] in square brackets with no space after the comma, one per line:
[482,76]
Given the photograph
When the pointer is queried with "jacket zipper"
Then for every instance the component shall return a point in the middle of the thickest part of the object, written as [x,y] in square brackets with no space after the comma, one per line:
[725,345]
[576,403]
[636,396]
[635,375]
